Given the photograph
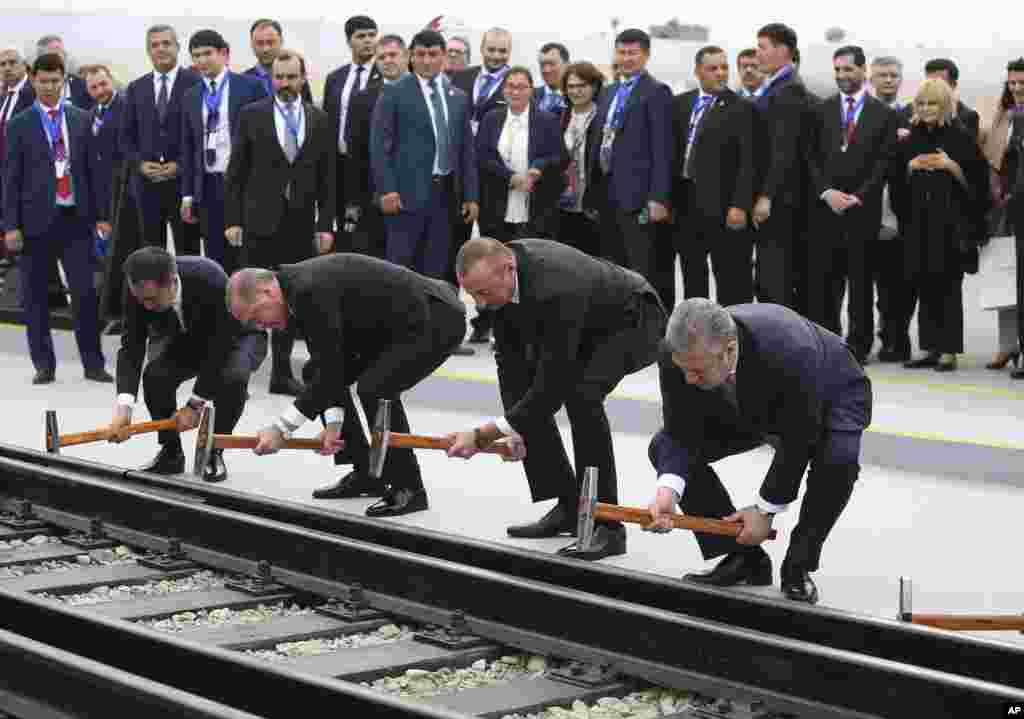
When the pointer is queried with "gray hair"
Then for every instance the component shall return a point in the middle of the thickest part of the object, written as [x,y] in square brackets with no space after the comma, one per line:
[886,60]
[477,249]
[245,283]
[699,318]
[159,28]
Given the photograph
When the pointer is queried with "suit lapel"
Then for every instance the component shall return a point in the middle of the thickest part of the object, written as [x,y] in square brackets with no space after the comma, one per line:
[635,97]
[342,79]
[234,98]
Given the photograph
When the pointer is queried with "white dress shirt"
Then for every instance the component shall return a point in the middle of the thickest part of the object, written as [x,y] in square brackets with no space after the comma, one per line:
[219,138]
[704,101]
[282,127]
[9,110]
[346,96]
[857,97]
[172,75]
[436,85]
[59,169]
[513,148]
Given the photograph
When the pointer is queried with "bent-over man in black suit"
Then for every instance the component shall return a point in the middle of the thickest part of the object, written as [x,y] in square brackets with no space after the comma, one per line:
[181,301]
[365,321]
[733,379]
[568,328]
[854,135]
[713,183]
[279,190]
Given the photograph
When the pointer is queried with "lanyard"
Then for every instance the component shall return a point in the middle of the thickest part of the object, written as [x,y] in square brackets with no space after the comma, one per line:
[292,122]
[699,107]
[265,77]
[54,127]
[621,97]
[213,103]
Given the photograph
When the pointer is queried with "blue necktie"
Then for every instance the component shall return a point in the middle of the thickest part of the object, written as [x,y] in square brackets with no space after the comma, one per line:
[442,129]
[621,96]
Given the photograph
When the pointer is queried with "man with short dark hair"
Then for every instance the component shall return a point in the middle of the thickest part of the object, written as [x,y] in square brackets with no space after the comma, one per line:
[74,90]
[749,69]
[211,110]
[267,37]
[945,69]
[50,213]
[423,160]
[854,138]
[554,56]
[342,85]
[181,302]
[106,154]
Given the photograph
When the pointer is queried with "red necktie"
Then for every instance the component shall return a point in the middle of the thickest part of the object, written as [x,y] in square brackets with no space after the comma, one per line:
[851,124]
[60,154]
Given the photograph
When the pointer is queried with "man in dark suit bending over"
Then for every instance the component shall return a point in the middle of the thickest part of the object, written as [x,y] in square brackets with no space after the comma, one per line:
[182,301]
[733,379]
[568,328]
[365,321]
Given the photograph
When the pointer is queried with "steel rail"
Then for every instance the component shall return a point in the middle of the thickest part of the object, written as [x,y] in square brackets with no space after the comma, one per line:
[979,658]
[666,647]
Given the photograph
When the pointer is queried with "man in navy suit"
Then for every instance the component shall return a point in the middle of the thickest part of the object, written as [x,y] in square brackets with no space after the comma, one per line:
[553,59]
[151,141]
[423,160]
[210,116]
[267,37]
[17,96]
[49,211]
[736,378]
[74,90]
[634,164]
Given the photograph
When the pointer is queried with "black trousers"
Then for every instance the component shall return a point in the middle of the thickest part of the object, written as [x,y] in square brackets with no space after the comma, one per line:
[838,258]
[940,314]
[343,241]
[605,362]
[182,360]
[385,372]
[1016,210]
[159,205]
[886,260]
[370,237]
[124,240]
[627,241]
[577,230]
[775,242]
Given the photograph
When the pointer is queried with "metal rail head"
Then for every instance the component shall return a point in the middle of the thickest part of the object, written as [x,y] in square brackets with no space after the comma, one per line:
[906,599]
[585,517]
[52,432]
[204,438]
[379,438]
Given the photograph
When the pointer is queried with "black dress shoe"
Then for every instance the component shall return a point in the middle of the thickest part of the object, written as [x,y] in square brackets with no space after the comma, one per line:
[798,586]
[286,385]
[169,460]
[560,520]
[354,484]
[99,375]
[608,540]
[114,327]
[1017,374]
[480,337]
[464,351]
[929,360]
[215,469]
[893,354]
[397,502]
[44,376]
[753,568]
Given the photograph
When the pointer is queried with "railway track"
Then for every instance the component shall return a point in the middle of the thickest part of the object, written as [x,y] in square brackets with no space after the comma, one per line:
[263,610]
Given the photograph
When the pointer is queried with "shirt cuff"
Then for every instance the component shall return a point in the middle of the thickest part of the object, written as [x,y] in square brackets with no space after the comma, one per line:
[766,506]
[824,195]
[127,400]
[292,418]
[503,426]
[186,200]
[334,415]
[674,482]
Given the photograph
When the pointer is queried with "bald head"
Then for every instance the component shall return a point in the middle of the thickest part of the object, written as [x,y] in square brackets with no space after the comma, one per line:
[244,286]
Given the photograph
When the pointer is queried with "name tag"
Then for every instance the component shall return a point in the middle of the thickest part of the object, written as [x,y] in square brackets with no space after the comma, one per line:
[61,166]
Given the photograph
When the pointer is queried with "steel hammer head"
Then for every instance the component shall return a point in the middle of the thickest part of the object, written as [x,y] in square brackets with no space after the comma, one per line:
[204,438]
[587,504]
[52,432]
[380,438]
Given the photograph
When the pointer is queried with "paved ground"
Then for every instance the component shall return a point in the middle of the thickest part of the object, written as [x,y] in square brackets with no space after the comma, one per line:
[948,534]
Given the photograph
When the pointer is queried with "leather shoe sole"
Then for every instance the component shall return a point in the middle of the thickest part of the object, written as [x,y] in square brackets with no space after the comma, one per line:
[736,569]
[397,503]
[99,375]
[44,377]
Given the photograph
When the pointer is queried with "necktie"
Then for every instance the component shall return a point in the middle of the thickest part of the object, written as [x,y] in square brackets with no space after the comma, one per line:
[212,113]
[621,97]
[696,118]
[359,79]
[485,88]
[291,142]
[161,100]
[851,124]
[60,154]
[442,130]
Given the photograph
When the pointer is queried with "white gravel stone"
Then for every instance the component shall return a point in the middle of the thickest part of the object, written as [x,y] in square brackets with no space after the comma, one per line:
[38,540]
[651,703]
[60,565]
[420,683]
[315,647]
[200,581]
[225,616]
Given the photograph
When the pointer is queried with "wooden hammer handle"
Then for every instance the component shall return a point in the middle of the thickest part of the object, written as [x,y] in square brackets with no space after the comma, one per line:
[415,441]
[237,441]
[971,622]
[615,513]
[99,435]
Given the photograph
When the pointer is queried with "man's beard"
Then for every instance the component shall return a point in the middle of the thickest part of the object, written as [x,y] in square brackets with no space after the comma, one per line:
[285,94]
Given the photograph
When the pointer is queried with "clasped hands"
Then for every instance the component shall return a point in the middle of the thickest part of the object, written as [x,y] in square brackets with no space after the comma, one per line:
[757,526]
[464,445]
[932,161]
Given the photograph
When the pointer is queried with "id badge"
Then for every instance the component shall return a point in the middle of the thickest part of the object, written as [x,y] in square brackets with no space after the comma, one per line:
[474,126]
[61,166]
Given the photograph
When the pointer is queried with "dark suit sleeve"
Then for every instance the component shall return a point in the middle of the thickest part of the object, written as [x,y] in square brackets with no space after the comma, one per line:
[746,173]
[191,142]
[132,352]
[677,446]
[307,94]
[660,108]
[384,141]
[487,138]
[815,168]
[325,337]
[549,133]
[559,365]
[128,135]
[787,124]
[327,173]
[356,138]
[14,174]
[91,210]
[328,92]
[876,179]
[470,172]
[237,175]
[218,349]
[972,122]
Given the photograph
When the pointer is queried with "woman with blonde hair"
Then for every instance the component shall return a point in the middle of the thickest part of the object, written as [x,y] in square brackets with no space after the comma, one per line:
[947,197]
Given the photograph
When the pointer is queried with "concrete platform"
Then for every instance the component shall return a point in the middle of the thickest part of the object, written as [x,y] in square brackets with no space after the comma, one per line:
[938,500]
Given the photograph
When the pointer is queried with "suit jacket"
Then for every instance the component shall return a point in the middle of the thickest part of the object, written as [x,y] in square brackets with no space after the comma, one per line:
[30,184]
[859,170]
[641,168]
[79,93]
[26,96]
[545,151]
[538,97]
[724,166]
[783,118]
[242,90]
[402,144]
[210,330]
[346,304]
[259,171]
[143,137]
[790,376]
[568,300]
[358,178]
[465,80]
[106,155]
[256,71]
[333,89]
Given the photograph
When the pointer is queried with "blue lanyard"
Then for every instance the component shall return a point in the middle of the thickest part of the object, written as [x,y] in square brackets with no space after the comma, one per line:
[847,116]
[54,127]
[293,125]
[213,103]
[621,96]
[265,77]
[700,106]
